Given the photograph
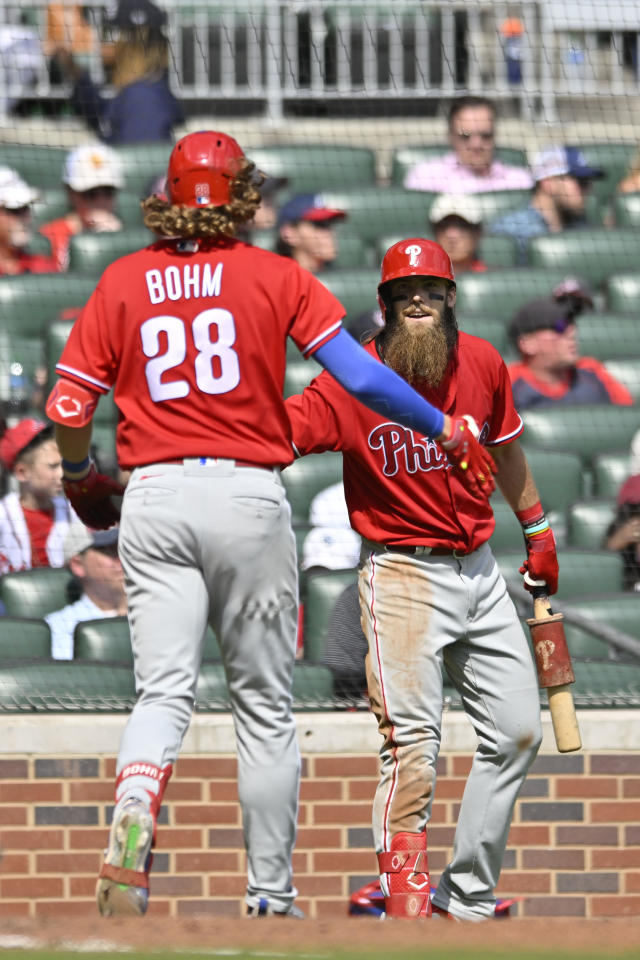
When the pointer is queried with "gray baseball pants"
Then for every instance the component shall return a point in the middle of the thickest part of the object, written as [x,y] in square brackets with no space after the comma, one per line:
[418,612]
[206,540]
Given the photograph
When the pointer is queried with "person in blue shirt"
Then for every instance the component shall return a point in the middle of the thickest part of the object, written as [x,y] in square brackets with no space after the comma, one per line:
[143,110]
[562,178]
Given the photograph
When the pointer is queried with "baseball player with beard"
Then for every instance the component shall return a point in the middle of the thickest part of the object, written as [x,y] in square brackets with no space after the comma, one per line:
[191,333]
[430,589]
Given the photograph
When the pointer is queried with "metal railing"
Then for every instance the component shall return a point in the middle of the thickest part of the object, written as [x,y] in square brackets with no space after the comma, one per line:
[275,52]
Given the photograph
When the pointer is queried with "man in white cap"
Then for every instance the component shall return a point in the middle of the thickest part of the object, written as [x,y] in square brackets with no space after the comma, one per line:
[92,558]
[16,198]
[456,221]
[92,175]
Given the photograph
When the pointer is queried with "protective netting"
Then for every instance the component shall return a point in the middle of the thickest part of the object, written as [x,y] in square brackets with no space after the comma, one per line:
[362,107]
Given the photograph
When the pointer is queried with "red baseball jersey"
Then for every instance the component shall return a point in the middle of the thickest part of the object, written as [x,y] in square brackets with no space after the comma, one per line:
[192,337]
[399,486]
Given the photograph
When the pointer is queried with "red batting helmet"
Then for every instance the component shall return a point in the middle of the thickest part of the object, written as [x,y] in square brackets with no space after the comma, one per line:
[415,257]
[201,168]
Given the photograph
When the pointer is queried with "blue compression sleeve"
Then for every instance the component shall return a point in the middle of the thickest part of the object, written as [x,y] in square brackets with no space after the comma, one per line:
[377,386]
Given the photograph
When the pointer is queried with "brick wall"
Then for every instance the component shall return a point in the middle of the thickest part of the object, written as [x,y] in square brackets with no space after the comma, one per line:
[574,847]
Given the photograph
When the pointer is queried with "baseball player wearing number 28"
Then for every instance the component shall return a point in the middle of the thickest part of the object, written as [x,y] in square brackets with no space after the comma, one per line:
[430,589]
[191,335]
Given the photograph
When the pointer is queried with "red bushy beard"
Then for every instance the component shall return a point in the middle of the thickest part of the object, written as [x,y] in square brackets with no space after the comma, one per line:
[420,352]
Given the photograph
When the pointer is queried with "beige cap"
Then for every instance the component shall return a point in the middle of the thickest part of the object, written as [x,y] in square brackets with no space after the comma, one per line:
[92,165]
[462,205]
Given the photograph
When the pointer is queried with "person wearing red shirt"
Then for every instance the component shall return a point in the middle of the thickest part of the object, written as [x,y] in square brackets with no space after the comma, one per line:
[430,590]
[16,198]
[191,334]
[35,518]
[550,370]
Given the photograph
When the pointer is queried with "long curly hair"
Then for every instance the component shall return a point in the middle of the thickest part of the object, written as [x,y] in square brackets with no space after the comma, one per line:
[168,220]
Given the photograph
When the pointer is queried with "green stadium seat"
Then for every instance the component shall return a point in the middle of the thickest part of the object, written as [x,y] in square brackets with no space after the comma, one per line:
[608,335]
[498,251]
[312,687]
[212,692]
[64,685]
[103,446]
[405,158]
[306,477]
[40,166]
[21,358]
[35,593]
[103,640]
[601,684]
[586,429]
[579,571]
[30,302]
[613,158]
[109,640]
[623,293]
[311,168]
[128,209]
[558,476]
[502,291]
[357,290]
[587,523]
[91,253]
[627,371]
[489,328]
[583,645]
[321,590]
[142,164]
[508,532]
[626,209]
[22,639]
[619,609]
[374,212]
[610,470]
[299,374]
[592,252]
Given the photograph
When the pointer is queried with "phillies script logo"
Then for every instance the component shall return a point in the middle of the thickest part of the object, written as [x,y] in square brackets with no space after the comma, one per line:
[400,448]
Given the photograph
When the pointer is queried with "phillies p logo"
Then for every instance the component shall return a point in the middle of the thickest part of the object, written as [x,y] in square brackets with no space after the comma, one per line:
[414,252]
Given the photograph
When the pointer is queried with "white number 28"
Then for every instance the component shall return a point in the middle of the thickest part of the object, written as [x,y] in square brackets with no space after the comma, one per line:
[222,379]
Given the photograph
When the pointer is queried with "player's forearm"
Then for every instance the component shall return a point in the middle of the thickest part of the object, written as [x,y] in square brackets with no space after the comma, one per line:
[514,476]
[74,444]
[380,388]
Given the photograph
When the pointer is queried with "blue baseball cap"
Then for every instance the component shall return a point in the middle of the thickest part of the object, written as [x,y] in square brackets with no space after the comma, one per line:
[560,161]
[310,207]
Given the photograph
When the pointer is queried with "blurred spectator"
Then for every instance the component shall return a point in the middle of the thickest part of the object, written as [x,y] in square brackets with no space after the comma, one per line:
[92,175]
[631,182]
[562,179]
[69,27]
[143,109]
[34,520]
[21,62]
[635,453]
[511,31]
[471,166]
[266,216]
[550,369]
[306,231]
[623,535]
[456,221]
[92,558]
[330,548]
[16,198]
[346,646]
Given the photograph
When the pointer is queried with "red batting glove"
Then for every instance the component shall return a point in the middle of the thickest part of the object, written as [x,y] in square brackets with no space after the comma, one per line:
[90,497]
[474,465]
[542,560]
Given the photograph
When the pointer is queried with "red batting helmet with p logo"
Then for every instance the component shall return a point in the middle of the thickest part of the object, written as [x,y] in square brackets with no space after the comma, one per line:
[414,257]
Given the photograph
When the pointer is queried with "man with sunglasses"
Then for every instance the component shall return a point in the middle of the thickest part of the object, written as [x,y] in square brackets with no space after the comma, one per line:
[306,232]
[550,369]
[92,176]
[471,166]
[16,199]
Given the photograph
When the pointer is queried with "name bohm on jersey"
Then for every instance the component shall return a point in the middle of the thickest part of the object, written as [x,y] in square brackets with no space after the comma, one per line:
[189,281]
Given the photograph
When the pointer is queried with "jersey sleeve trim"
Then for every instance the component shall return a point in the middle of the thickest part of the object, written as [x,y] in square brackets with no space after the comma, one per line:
[63,368]
[507,437]
[324,337]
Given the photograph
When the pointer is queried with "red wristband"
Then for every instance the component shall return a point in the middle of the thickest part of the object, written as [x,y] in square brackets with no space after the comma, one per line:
[530,514]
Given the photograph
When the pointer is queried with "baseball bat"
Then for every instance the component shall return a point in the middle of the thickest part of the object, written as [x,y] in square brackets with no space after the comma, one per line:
[555,673]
